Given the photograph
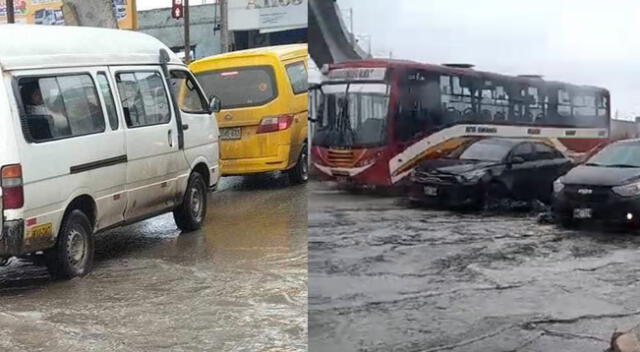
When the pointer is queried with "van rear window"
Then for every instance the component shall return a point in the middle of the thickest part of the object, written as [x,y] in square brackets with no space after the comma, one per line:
[240,87]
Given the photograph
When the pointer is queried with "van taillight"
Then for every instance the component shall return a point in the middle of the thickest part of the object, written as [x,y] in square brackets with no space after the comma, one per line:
[275,124]
[12,190]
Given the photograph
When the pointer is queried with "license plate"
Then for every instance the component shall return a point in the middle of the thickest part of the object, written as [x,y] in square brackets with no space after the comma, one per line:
[41,231]
[342,179]
[582,213]
[431,191]
[231,133]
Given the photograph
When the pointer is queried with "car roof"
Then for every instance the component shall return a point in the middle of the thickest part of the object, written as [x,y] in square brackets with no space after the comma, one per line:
[282,52]
[37,46]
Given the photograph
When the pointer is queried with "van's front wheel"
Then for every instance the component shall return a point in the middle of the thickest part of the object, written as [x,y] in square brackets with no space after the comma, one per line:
[73,254]
[300,173]
[189,216]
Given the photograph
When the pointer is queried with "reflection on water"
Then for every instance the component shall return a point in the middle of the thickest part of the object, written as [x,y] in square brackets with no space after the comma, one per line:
[387,278]
[240,284]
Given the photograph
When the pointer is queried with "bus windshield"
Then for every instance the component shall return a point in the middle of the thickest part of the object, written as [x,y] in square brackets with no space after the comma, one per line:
[353,115]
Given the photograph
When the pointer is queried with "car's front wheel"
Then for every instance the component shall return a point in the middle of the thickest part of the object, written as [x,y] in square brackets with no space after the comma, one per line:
[189,216]
[73,254]
[492,196]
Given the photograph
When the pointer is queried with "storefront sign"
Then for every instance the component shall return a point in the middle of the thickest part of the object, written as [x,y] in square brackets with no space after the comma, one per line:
[267,15]
[49,12]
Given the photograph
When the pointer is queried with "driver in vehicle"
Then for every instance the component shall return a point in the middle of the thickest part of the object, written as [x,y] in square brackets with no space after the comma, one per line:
[36,108]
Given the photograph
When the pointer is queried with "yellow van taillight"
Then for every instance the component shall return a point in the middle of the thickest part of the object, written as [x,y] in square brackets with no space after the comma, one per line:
[12,187]
[275,124]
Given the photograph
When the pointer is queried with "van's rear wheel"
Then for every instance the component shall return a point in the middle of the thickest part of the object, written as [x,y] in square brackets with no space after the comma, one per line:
[300,173]
[73,254]
[189,216]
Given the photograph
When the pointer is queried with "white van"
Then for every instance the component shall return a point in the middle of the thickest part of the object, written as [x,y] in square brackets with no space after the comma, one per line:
[98,128]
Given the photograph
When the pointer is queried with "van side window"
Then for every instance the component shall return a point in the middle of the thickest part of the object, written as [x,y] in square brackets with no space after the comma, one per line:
[109,102]
[144,98]
[57,107]
[297,73]
[190,98]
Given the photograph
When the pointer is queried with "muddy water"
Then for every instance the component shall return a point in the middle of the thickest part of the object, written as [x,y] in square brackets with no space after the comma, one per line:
[386,278]
[240,284]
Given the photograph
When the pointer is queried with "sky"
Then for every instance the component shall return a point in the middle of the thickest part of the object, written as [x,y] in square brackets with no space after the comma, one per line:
[578,41]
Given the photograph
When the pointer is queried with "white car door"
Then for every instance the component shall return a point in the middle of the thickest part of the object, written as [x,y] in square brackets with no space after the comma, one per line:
[151,140]
[200,127]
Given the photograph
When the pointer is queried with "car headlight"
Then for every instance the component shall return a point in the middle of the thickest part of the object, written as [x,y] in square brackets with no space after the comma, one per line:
[473,175]
[558,186]
[630,190]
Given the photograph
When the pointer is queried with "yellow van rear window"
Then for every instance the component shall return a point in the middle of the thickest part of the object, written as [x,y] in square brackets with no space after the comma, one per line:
[240,87]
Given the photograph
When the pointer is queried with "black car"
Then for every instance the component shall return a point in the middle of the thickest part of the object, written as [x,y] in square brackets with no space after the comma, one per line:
[606,187]
[488,170]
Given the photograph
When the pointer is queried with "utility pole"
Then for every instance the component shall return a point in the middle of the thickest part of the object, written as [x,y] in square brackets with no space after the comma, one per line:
[11,16]
[187,39]
[224,26]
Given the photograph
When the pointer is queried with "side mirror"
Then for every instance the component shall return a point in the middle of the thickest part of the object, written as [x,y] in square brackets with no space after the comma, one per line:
[517,160]
[215,104]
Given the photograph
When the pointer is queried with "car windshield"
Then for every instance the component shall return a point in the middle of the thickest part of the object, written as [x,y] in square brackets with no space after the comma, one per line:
[617,155]
[353,115]
[486,150]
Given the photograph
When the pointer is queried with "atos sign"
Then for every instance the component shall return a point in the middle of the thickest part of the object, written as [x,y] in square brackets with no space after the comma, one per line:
[267,15]
[177,9]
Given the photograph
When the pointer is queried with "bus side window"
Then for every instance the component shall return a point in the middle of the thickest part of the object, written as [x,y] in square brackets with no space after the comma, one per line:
[419,106]
[461,102]
[517,105]
[584,108]
[457,88]
[534,109]
[564,106]
[602,105]
[487,97]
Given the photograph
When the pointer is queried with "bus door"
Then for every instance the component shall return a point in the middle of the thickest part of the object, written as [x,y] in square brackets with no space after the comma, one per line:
[419,110]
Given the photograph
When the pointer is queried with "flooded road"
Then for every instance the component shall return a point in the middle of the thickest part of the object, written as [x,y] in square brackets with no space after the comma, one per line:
[386,278]
[240,284]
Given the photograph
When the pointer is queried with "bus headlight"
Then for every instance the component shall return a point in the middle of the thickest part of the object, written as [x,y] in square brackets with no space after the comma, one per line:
[558,186]
[630,190]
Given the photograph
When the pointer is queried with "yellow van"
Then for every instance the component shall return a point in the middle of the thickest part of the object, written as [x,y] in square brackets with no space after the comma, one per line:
[263,122]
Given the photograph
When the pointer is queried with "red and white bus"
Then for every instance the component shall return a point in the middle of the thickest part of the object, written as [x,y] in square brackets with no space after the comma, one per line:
[378,119]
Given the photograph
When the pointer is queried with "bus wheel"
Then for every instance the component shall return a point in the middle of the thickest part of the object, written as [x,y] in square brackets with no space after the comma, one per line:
[73,254]
[189,216]
[300,173]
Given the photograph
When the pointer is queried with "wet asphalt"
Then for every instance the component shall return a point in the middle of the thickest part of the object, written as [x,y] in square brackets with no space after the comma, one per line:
[383,277]
[239,284]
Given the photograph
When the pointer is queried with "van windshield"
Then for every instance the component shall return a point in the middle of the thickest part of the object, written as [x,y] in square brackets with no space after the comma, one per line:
[240,87]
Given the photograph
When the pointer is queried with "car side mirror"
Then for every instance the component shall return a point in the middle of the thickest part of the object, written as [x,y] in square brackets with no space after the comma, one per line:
[215,104]
[517,160]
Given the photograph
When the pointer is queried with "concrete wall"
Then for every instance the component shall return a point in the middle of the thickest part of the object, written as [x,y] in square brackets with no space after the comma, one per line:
[624,129]
[161,25]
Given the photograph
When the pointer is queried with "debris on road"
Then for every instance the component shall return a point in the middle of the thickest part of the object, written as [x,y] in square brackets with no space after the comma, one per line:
[626,341]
